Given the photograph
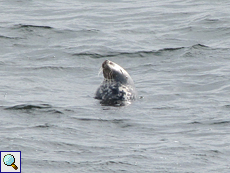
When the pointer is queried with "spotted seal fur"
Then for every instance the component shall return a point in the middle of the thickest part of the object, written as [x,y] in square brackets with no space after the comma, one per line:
[117,87]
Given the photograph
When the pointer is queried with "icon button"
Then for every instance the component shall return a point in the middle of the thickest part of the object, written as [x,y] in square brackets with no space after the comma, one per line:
[10,161]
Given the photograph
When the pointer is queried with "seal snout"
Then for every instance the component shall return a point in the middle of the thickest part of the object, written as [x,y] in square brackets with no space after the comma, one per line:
[106,64]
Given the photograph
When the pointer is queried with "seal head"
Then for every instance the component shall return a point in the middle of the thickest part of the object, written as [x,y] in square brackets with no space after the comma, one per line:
[117,88]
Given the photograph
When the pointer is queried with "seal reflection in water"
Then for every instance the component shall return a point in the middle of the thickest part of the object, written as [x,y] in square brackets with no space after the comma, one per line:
[118,88]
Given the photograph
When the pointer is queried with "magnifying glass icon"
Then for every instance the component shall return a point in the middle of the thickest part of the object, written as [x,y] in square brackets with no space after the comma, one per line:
[9,160]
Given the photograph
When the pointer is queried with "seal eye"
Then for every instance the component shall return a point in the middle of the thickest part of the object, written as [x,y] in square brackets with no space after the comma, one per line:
[121,71]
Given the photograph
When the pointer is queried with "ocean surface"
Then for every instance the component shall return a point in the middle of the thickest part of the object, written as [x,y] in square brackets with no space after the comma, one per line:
[176,51]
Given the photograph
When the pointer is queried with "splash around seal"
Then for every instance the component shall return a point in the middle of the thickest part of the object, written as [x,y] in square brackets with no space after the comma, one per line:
[118,88]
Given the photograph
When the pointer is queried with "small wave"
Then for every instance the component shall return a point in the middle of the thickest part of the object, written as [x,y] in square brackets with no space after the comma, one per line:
[170,49]
[221,122]
[67,69]
[226,106]
[129,54]
[123,123]
[32,26]
[58,68]
[7,37]
[138,53]
[31,108]
[116,121]
[199,46]
[164,108]
[211,123]
[116,162]
[195,122]
[46,125]
[28,107]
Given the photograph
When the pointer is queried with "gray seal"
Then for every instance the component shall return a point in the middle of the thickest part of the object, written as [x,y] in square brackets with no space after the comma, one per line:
[117,87]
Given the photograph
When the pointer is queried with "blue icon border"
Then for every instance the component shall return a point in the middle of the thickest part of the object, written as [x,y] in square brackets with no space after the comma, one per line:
[12,153]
